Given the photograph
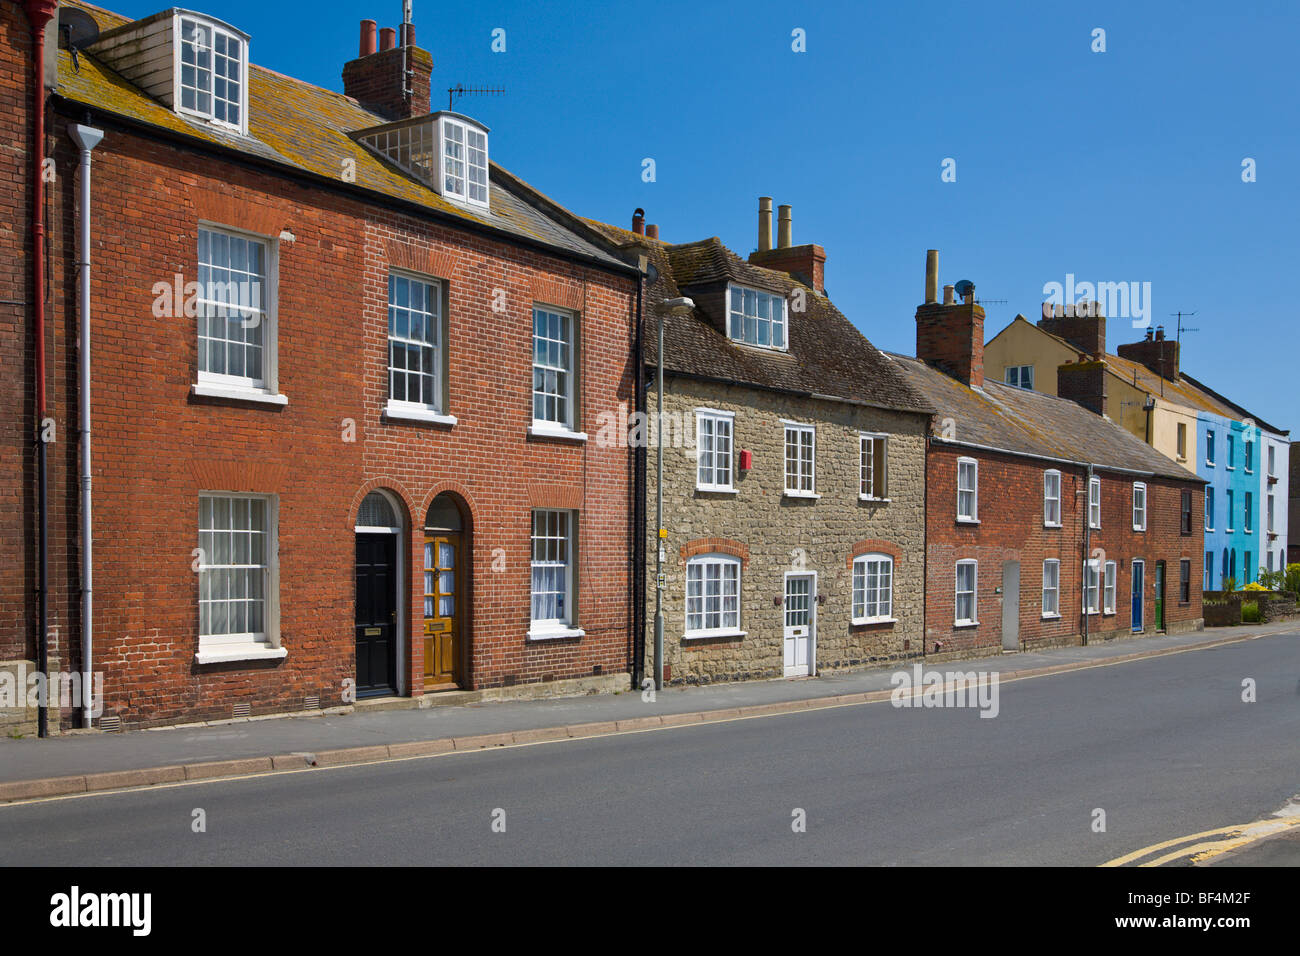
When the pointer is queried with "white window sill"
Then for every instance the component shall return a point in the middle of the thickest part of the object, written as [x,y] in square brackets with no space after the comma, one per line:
[551,632]
[1051,617]
[242,394]
[801,494]
[1050,524]
[539,430]
[968,520]
[717,490]
[857,621]
[253,651]
[1141,528]
[415,413]
[966,624]
[879,501]
[705,635]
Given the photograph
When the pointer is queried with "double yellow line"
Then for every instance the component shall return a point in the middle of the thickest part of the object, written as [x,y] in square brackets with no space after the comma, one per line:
[1207,844]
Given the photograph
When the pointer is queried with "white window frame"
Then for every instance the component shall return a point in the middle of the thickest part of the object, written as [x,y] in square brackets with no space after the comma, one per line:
[973,466]
[563,625]
[187,19]
[1094,502]
[958,592]
[1019,373]
[873,447]
[1182,439]
[1052,590]
[455,173]
[1232,505]
[1248,457]
[404,408]
[1247,524]
[221,384]
[1272,460]
[772,323]
[719,421]
[1209,507]
[1109,581]
[1092,572]
[1049,499]
[1271,505]
[1231,443]
[1139,512]
[1207,572]
[247,645]
[799,430]
[1209,446]
[697,573]
[563,425]
[858,588]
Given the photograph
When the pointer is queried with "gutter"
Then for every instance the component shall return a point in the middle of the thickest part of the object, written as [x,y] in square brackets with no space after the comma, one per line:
[86,138]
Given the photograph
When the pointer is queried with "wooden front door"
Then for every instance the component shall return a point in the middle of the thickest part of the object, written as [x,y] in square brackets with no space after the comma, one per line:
[443,614]
[376,617]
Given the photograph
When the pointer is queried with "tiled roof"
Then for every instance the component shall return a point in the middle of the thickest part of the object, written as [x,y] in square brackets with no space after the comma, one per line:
[1026,422]
[827,355]
[305,129]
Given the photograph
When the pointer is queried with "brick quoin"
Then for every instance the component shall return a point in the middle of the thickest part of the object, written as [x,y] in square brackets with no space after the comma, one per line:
[157,447]
[1011,528]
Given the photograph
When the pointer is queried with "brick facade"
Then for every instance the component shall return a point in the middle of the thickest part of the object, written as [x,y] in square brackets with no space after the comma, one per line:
[157,445]
[772,534]
[1011,529]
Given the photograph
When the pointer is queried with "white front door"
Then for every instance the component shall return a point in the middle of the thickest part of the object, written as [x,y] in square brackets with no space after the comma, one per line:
[798,610]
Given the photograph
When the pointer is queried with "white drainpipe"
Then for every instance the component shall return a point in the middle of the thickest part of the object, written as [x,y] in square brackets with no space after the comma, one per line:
[86,138]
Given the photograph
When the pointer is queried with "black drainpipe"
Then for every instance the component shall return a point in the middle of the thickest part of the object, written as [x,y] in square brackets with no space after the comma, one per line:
[639,505]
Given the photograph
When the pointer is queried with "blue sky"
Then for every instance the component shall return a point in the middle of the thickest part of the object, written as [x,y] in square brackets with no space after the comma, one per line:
[1115,166]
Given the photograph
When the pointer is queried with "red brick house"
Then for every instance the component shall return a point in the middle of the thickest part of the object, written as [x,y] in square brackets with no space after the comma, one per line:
[1046,524]
[341,376]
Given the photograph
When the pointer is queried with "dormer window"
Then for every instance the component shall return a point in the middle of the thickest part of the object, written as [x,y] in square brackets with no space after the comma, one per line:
[211,72]
[446,150]
[756,318]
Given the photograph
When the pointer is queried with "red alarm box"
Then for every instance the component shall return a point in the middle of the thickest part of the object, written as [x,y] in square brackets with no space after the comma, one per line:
[746,460]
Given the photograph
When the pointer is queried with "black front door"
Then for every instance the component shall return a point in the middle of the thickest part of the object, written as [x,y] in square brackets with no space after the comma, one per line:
[376,614]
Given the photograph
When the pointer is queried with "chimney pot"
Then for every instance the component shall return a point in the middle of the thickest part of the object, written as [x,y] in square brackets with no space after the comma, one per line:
[408,34]
[652,231]
[764,223]
[785,227]
[947,295]
[368,37]
[638,221]
[932,275]
[387,39]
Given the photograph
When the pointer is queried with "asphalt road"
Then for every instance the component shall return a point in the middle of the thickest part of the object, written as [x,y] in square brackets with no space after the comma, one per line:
[1166,747]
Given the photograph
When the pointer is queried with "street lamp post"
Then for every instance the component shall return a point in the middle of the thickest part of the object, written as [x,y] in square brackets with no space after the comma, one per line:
[678,306]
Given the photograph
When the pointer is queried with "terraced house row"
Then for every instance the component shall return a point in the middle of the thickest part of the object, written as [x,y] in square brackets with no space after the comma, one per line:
[320,404]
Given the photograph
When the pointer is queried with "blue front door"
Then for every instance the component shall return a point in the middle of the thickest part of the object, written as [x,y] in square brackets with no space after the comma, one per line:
[1139,569]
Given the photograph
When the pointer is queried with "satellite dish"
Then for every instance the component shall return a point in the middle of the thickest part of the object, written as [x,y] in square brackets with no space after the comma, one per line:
[77,28]
[964,288]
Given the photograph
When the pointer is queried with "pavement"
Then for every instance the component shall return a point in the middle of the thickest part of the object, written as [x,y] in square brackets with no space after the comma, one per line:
[1081,766]
[78,763]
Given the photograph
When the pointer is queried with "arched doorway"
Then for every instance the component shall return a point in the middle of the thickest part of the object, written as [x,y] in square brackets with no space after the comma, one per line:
[446,593]
[379,614]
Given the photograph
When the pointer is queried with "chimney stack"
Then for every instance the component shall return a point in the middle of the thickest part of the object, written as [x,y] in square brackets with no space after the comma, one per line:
[1083,326]
[374,79]
[764,223]
[1083,382]
[806,263]
[950,336]
[638,221]
[1155,352]
[652,232]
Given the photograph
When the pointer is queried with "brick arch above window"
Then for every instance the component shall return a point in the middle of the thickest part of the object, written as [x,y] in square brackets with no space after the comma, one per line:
[737,549]
[251,476]
[390,485]
[238,213]
[438,263]
[554,496]
[873,546]
[566,293]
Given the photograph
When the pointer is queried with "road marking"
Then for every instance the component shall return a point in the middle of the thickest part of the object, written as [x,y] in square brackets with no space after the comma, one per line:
[1230,838]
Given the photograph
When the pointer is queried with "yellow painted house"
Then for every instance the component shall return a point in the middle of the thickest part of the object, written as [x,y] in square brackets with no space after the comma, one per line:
[1160,409]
